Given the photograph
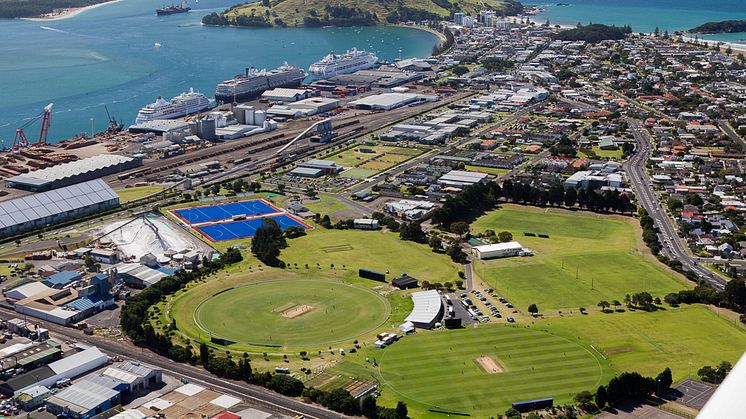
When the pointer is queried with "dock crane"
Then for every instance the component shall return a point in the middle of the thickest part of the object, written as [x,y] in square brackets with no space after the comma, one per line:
[21,140]
[114,125]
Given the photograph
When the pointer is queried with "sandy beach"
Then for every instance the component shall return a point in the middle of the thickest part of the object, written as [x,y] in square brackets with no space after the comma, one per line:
[736,47]
[67,13]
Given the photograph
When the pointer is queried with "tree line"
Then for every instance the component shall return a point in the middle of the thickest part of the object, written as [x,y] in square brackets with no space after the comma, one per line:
[337,15]
[36,8]
[593,33]
[557,195]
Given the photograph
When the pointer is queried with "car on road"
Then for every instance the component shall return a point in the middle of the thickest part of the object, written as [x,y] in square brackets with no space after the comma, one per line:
[511,319]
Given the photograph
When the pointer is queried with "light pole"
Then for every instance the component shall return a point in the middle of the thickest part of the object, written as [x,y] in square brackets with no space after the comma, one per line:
[91,127]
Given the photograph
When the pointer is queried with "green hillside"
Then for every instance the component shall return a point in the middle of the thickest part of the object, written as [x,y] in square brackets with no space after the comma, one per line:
[351,13]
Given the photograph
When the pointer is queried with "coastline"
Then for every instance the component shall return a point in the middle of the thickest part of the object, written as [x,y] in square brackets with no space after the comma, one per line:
[67,13]
[736,47]
[441,37]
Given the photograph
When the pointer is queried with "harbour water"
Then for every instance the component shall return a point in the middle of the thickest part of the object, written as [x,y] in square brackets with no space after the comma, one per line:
[121,55]
[644,15]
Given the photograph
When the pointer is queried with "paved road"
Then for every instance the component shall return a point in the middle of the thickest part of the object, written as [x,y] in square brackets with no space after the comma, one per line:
[254,395]
[730,132]
[672,245]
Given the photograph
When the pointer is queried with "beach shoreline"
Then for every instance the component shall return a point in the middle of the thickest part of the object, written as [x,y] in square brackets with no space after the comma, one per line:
[736,47]
[67,13]
[440,35]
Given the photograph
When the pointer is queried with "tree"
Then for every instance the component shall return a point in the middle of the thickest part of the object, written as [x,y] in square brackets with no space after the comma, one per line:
[603,304]
[664,381]
[267,242]
[616,304]
[571,197]
[223,367]
[285,384]
[455,252]
[459,227]
[311,192]
[412,231]
[505,236]
[368,407]
[584,397]
[459,283]
[90,263]
[533,309]
[600,397]
[401,410]
[204,354]
[735,294]
[435,243]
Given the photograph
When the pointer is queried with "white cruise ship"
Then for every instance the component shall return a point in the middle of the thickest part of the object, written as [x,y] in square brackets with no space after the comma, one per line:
[185,104]
[346,63]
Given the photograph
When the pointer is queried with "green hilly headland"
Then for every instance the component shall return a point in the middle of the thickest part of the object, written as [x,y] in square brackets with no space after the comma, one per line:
[313,13]
[725,26]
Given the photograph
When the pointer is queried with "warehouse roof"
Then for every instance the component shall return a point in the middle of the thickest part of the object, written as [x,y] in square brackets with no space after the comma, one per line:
[498,247]
[83,396]
[71,362]
[389,100]
[57,201]
[462,177]
[427,306]
[75,168]
[62,278]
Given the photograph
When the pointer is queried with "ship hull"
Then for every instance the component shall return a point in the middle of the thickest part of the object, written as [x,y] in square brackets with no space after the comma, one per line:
[171,12]
[229,97]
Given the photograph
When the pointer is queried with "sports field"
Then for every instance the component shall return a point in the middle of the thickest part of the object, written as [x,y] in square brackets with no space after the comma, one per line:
[218,212]
[377,250]
[588,258]
[292,313]
[481,371]
[233,230]
[683,339]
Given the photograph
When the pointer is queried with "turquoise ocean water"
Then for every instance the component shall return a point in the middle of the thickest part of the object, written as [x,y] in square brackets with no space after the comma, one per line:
[644,15]
[108,56]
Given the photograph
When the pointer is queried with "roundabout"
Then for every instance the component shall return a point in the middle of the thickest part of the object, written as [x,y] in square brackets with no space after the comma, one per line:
[291,313]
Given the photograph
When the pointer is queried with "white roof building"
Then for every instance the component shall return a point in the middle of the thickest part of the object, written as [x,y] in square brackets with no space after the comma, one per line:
[26,290]
[427,308]
[498,250]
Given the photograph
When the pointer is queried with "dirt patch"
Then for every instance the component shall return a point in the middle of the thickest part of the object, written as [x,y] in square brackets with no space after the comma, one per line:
[618,350]
[284,307]
[489,365]
[297,311]
[334,249]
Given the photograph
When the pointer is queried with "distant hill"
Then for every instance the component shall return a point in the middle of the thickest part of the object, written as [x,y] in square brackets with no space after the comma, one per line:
[312,13]
[593,33]
[725,26]
[12,9]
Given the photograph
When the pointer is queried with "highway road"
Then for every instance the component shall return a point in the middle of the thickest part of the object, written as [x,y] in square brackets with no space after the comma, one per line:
[256,396]
[672,246]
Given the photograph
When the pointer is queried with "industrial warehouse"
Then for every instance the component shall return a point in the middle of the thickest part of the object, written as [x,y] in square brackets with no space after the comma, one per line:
[70,173]
[56,206]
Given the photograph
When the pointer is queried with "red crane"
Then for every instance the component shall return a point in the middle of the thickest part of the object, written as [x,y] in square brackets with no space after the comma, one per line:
[21,140]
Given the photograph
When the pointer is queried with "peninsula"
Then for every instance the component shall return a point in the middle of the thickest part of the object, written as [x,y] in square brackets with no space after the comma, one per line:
[725,26]
[315,13]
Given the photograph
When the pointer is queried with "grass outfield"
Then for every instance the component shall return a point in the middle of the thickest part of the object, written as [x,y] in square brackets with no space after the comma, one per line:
[130,194]
[587,258]
[683,339]
[439,369]
[377,250]
[292,313]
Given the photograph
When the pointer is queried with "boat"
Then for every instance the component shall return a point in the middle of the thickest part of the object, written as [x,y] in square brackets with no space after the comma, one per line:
[184,104]
[349,62]
[173,9]
[253,83]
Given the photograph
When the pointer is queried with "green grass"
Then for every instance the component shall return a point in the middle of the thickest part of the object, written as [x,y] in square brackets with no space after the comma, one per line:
[649,342]
[359,173]
[337,312]
[377,250]
[325,204]
[384,157]
[438,369]
[597,152]
[130,194]
[489,170]
[588,258]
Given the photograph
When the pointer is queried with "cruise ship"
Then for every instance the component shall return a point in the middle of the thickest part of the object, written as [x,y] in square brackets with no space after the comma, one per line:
[185,104]
[346,63]
[254,82]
